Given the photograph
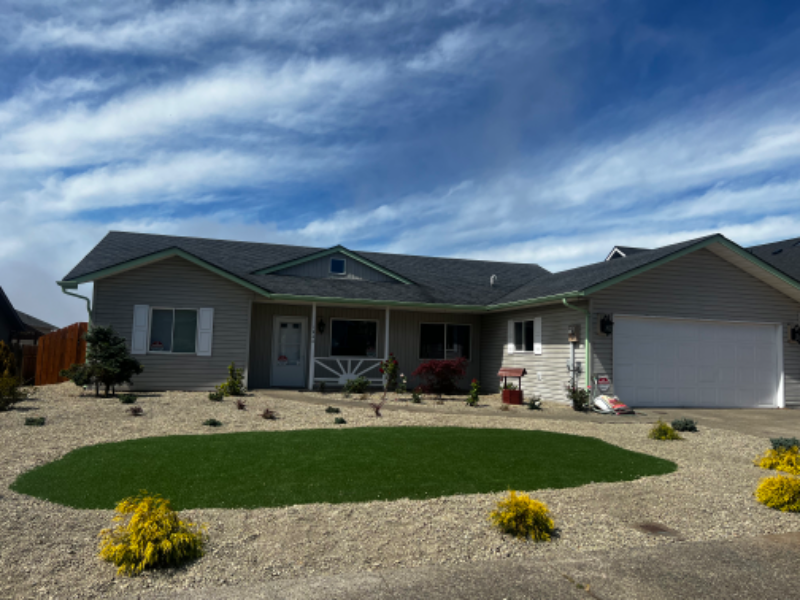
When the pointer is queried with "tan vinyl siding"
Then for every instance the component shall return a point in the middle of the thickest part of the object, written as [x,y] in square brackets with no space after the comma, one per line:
[700,285]
[177,283]
[551,363]
[320,268]
[403,335]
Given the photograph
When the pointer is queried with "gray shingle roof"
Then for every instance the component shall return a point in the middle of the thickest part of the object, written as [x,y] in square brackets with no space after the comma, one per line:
[783,255]
[435,280]
[11,314]
[37,324]
[582,278]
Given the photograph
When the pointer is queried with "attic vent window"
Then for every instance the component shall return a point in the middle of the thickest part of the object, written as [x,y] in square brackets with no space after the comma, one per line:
[338,266]
[778,251]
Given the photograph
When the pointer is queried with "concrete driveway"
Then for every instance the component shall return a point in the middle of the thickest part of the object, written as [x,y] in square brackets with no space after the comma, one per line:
[747,568]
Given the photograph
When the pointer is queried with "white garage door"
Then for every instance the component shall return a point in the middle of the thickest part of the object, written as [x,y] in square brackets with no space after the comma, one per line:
[679,362]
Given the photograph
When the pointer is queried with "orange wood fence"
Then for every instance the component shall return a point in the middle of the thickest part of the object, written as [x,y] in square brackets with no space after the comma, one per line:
[59,350]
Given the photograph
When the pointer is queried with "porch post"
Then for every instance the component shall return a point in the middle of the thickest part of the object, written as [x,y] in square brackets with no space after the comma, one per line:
[312,353]
[386,338]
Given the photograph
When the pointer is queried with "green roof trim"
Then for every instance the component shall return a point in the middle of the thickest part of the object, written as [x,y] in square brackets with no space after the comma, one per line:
[329,251]
[459,307]
[169,253]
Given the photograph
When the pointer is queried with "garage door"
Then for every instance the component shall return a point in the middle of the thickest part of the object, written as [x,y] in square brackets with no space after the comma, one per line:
[679,362]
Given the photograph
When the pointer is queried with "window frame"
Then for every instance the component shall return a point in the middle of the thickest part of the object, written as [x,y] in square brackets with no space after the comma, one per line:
[532,321]
[340,356]
[419,345]
[172,345]
[330,266]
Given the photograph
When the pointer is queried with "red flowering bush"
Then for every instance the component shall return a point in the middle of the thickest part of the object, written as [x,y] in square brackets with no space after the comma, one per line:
[389,369]
[441,376]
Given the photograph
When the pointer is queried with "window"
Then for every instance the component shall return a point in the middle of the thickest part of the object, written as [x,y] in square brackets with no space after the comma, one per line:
[173,330]
[338,266]
[444,341]
[354,338]
[527,336]
[523,336]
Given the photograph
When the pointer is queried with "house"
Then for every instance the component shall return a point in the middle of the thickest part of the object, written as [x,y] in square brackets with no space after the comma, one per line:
[18,327]
[701,323]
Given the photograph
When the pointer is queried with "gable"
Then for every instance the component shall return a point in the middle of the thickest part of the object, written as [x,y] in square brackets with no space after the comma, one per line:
[320,268]
[701,284]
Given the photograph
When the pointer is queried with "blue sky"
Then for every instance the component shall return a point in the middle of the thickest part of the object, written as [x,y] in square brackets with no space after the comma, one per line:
[535,131]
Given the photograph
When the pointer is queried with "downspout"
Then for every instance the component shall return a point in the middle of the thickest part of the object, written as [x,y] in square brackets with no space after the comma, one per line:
[68,285]
[588,340]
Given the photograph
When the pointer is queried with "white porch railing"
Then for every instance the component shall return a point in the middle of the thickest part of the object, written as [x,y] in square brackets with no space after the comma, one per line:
[341,370]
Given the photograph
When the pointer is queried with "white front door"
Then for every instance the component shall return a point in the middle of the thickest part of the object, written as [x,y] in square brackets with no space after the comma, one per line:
[289,352]
[680,362]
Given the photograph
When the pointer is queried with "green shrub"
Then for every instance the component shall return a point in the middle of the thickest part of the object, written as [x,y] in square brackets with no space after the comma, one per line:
[402,385]
[323,388]
[358,385]
[108,362]
[332,410]
[781,459]
[581,398]
[8,361]
[662,431]
[416,398]
[339,421]
[780,492]
[10,393]
[535,403]
[234,386]
[684,425]
[784,442]
[34,421]
[127,398]
[150,534]
[216,396]
[212,423]
[474,391]
[522,516]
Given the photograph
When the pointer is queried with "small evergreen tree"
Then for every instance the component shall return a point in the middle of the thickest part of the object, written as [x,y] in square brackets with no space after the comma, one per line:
[108,362]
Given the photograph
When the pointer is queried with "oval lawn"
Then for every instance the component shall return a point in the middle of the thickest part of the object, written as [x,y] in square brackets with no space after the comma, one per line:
[262,469]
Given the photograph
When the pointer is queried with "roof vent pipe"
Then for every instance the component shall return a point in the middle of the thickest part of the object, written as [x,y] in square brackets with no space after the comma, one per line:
[493,280]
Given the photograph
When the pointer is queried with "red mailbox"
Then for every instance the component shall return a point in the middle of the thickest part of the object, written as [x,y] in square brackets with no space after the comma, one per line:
[512,396]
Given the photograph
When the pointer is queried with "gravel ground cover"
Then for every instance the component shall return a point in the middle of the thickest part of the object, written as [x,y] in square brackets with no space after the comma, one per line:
[47,550]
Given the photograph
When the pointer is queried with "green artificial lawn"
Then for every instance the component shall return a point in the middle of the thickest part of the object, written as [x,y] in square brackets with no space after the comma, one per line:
[255,469]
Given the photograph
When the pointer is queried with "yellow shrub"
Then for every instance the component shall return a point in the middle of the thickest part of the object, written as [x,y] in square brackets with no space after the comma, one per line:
[781,459]
[662,431]
[152,535]
[524,517]
[780,492]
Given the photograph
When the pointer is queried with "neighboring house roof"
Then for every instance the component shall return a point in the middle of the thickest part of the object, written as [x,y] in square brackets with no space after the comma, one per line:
[623,251]
[37,324]
[11,315]
[444,282]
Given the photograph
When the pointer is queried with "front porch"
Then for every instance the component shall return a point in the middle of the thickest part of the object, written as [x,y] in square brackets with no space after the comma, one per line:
[300,346]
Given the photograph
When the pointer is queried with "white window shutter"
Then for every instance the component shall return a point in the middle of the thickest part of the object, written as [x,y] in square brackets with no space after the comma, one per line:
[537,335]
[141,315]
[510,345]
[205,331]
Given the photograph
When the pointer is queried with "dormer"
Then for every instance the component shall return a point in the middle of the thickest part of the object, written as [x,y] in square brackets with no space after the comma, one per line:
[335,263]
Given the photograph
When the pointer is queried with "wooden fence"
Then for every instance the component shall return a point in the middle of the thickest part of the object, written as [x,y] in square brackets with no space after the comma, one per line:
[28,368]
[59,350]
